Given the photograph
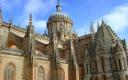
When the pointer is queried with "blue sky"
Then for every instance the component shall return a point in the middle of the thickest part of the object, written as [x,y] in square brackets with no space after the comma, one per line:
[82,12]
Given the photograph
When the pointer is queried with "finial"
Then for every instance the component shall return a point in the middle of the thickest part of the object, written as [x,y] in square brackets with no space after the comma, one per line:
[10,23]
[58,7]
[45,33]
[30,19]
[10,20]
[74,31]
[102,21]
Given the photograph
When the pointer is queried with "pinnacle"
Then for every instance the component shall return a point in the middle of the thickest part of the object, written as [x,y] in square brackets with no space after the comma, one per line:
[30,19]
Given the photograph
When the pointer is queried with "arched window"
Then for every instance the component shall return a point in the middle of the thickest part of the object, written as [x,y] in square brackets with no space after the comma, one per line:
[10,72]
[61,74]
[96,78]
[103,63]
[104,77]
[41,73]
[87,68]
[118,77]
[126,77]
[120,64]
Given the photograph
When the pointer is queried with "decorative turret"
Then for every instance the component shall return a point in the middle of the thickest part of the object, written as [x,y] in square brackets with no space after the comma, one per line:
[29,48]
[30,27]
[29,37]
[30,19]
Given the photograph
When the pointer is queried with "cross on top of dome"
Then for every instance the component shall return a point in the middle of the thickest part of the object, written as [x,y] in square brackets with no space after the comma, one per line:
[58,6]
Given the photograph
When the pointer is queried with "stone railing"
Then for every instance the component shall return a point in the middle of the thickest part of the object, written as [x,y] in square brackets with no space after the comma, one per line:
[41,55]
[14,26]
[41,36]
[24,30]
[10,50]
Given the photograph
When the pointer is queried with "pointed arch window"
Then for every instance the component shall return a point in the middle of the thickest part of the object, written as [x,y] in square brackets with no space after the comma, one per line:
[41,73]
[103,63]
[61,74]
[126,77]
[96,78]
[104,77]
[120,65]
[10,72]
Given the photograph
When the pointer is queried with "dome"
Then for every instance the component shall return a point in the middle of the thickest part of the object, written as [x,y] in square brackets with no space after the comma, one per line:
[59,15]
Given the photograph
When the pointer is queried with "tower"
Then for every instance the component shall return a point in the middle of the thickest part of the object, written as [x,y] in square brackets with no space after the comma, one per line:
[29,49]
[59,27]
[29,35]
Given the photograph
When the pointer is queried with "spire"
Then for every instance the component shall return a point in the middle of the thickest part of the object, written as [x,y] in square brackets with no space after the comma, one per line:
[1,15]
[92,31]
[10,20]
[30,19]
[58,6]
[98,24]
[103,23]
[30,27]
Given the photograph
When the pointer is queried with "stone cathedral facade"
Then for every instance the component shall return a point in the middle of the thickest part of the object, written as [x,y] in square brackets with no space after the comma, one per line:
[60,54]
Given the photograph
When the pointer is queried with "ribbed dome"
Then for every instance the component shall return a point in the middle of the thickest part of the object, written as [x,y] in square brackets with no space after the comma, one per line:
[59,16]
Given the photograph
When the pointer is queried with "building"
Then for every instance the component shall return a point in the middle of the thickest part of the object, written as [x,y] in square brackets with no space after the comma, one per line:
[60,54]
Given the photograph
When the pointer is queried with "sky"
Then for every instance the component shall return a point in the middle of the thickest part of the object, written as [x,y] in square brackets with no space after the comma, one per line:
[82,12]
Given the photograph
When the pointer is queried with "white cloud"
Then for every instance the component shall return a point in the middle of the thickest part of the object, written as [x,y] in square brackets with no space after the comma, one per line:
[10,4]
[40,25]
[118,18]
[83,30]
[38,6]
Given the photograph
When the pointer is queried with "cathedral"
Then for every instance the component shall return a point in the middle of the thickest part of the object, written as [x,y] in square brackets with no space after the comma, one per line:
[60,54]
